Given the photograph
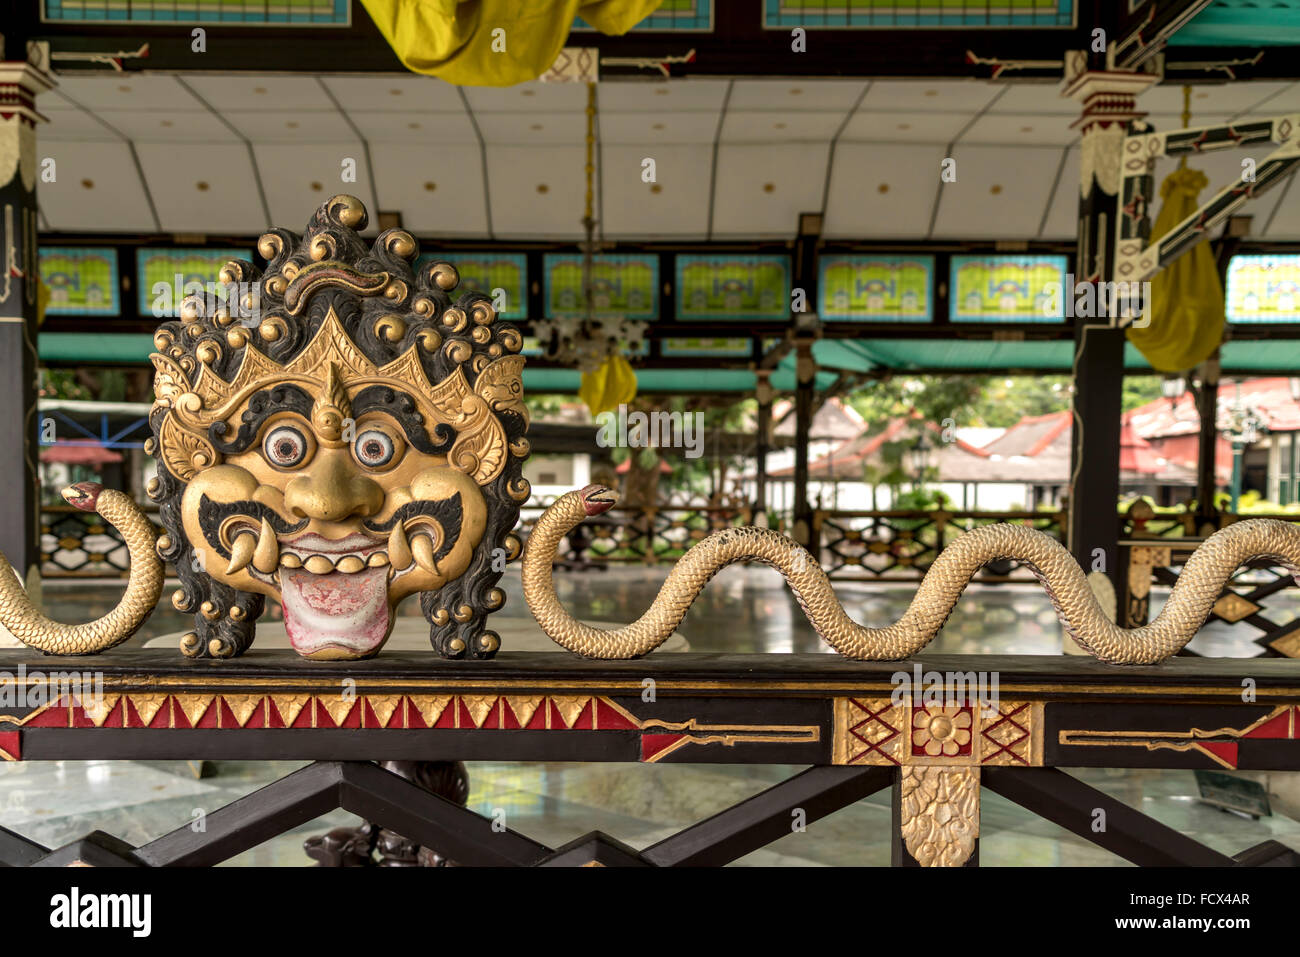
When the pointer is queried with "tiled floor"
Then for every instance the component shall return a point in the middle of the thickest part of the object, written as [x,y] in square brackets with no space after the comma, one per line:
[743,609]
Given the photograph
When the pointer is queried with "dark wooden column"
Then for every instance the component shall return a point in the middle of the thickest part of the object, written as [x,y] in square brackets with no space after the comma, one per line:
[20,82]
[1207,446]
[763,432]
[805,379]
[1109,106]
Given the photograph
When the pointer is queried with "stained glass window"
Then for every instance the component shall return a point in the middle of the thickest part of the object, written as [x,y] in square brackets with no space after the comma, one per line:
[1007,288]
[891,14]
[673,16]
[166,275]
[503,276]
[80,280]
[718,348]
[1264,289]
[246,13]
[624,285]
[733,287]
[870,288]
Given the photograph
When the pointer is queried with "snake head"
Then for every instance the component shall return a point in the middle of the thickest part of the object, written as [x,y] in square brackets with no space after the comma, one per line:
[598,499]
[83,495]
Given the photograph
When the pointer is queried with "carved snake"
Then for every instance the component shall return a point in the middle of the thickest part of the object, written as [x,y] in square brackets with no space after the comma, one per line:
[144,585]
[1199,585]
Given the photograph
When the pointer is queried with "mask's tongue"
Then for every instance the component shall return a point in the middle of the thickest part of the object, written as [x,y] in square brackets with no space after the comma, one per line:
[336,615]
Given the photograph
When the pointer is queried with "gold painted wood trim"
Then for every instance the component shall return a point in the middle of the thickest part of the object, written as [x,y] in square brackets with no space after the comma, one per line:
[939,818]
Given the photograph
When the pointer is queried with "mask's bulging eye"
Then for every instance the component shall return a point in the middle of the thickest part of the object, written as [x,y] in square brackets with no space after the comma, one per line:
[373,449]
[285,447]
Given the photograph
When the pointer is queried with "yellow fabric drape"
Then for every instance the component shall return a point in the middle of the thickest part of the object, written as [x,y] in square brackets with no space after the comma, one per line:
[610,386]
[1186,297]
[457,41]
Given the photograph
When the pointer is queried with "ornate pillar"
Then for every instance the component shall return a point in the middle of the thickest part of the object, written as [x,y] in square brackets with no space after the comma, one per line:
[1109,100]
[20,82]
[763,393]
[805,379]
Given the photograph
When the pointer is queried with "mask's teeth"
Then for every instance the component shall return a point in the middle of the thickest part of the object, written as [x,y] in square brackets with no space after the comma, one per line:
[350,564]
[377,560]
[241,552]
[319,565]
[267,554]
[290,560]
[422,550]
[399,549]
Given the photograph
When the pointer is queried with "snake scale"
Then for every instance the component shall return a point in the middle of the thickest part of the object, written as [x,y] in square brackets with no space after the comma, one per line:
[144,585]
[1199,585]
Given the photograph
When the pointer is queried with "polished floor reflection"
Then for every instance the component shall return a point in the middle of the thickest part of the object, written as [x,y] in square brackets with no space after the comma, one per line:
[743,609]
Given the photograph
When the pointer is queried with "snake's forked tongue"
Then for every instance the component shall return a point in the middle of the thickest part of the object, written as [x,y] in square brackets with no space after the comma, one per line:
[335,615]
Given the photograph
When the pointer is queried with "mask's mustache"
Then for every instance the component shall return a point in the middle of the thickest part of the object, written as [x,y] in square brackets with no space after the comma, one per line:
[213,514]
[440,510]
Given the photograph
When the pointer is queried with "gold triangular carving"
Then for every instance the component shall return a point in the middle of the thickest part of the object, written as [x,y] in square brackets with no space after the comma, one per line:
[524,707]
[147,705]
[479,706]
[338,706]
[194,706]
[98,708]
[242,706]
[570,707]
[430,706]
[331,344]
[383,705]
[289,706]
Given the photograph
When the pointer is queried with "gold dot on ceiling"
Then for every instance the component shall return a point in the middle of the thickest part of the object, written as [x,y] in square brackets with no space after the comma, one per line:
[88,184]
[1026,129]
[412,126]
[904,126]
[395,92]
[430,187]
[543,188]
[995,189]
[769,187]
[1202,96]
[527,92]
[778,126]
[123,88]
[656,188]
[259,90]
[883,188]
[292,124]
[316,187]
[931,92]
[795,91]
[165,123]
[661,91]
[535,126]
[657,126]
[201,186]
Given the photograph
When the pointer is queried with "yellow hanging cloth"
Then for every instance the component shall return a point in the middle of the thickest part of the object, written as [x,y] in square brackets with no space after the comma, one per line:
[1186,308]
[610,386]
[493,42]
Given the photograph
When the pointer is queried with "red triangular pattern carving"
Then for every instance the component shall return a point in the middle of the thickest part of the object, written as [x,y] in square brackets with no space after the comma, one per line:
[1279,727]
[609,719]
[1225,750]
[652,744]
[11,743]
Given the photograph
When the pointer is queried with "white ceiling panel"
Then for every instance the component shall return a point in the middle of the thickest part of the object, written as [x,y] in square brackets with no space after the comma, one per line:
[881,191]
[1000,192]
[867,127]
[766,187]
[1063,217]
[74,125]
[195,125]
[233,94]
[97,188]
[1214,103]
[894,96]
[787,95]
[528,97]
[654,96]
[203,188]
[646,127]
[770,126]
[416,127]
[298,180]
[1042,98]
[633,209]
[1027,129]
[439,191]
[305,126]
[1286,219]
[536,191]
[400,94]
[530,129]
[121,92]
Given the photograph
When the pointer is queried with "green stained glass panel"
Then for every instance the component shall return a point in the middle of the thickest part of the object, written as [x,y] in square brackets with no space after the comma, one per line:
[166,275]
[1007,288]
[80,280]
[1264,289]
[876,288]
[502,276]
[733,287]
[624,285]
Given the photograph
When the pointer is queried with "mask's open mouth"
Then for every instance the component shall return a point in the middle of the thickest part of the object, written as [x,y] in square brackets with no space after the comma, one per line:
[335,595]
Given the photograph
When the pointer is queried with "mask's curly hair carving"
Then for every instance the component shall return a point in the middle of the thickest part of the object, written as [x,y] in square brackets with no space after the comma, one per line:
[386,310]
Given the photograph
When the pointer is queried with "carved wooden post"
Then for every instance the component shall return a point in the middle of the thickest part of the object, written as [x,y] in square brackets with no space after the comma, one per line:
[20,82]
[763,393]
[806,375]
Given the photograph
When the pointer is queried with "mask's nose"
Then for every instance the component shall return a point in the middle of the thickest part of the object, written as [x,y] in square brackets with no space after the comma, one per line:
[333,490]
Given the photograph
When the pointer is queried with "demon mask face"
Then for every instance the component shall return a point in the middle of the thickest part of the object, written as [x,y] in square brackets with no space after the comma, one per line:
[359,440]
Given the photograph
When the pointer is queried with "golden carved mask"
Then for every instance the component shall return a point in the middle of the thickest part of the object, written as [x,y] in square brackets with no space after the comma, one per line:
[338,437]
